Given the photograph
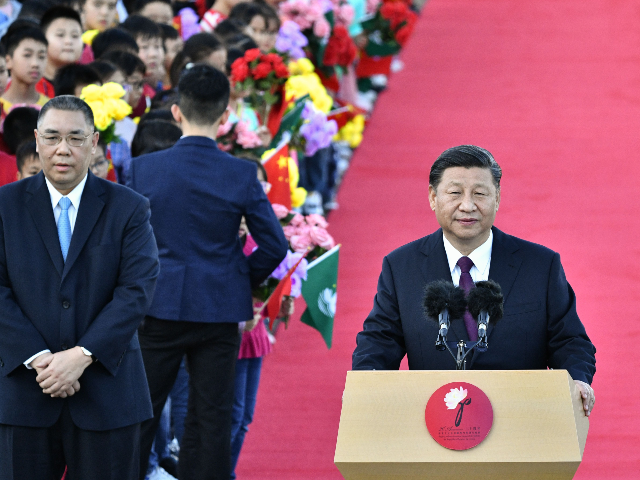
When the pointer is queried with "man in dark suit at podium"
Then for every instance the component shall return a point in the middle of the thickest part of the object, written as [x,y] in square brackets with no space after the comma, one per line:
[540,328]
[198,197]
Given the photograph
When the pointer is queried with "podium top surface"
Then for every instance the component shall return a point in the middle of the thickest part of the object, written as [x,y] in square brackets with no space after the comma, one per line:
[537,417]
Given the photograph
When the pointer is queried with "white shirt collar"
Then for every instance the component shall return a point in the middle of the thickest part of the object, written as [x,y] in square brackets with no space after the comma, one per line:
[481,256]
[74,195]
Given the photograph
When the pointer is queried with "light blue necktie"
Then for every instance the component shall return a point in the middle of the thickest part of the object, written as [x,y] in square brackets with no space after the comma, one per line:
[64,226]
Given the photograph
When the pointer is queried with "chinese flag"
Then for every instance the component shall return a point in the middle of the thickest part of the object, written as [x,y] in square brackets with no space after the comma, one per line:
[277,167]
[275,300]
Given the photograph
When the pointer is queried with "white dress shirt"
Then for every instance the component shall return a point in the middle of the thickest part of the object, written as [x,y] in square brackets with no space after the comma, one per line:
[481,258]
[74,196]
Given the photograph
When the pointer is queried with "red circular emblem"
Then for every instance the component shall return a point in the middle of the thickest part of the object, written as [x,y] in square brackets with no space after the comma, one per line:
[459,416]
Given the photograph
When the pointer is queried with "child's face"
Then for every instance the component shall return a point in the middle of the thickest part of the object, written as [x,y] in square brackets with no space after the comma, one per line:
[152,54]
[28,61]
[98,14]
[271,34]
[136,82]
[257,30]
[4,75]
[218,59]
[65,44]
[31,167]
[99,164]
[172,46]
[159,12]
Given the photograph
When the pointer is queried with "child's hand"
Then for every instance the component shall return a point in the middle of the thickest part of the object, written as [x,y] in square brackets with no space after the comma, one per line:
[265,136]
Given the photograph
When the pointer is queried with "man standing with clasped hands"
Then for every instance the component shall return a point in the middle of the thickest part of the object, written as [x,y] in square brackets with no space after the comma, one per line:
[78,267]
[540,327]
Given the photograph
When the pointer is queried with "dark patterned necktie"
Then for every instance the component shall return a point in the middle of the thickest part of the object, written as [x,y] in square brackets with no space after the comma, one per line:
[466,284]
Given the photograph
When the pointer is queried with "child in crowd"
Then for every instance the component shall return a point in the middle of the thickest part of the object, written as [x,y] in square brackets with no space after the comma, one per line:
[273,27]
[253,16]
[228,28]
[160,11]
[27,160]
[18,127]
[153,136]
[99,165]
[111,40]
[26,58]
[70,80]
[200,48]
[63,29]
[173,44]
[218,12]
[98,14]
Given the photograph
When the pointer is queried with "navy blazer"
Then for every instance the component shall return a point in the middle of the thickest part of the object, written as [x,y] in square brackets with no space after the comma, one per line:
[198,196]
[96,299]
[540,327]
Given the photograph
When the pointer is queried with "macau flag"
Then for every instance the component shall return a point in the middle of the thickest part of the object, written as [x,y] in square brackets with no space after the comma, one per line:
[320,293]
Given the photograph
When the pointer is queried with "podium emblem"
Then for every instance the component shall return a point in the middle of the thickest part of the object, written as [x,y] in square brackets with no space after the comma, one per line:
[459,416]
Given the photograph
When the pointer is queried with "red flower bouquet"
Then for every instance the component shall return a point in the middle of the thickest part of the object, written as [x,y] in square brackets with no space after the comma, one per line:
[390,28]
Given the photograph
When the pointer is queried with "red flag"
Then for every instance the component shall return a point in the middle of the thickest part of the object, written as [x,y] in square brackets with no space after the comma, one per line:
[274,302]
[277,167]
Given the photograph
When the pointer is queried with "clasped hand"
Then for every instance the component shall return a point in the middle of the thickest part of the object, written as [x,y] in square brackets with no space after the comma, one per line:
[58,373]
[587,396]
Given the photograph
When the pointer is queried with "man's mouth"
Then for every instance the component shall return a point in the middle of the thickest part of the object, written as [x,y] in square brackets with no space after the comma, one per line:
[467,221]
[62,167]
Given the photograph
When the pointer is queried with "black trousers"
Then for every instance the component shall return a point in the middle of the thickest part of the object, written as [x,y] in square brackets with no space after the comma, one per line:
[211,350]
[28,453]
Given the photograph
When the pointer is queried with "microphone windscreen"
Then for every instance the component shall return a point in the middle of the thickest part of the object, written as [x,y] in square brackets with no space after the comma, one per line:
[486,296]
[441,294]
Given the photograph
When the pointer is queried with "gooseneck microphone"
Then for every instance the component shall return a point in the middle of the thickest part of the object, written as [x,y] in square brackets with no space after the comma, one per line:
[443,301]
[485,303]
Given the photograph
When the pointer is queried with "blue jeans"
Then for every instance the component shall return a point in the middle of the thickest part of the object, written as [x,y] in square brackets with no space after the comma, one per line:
[244,403]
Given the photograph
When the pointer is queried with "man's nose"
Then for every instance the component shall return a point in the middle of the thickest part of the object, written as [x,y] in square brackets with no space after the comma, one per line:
[467,204]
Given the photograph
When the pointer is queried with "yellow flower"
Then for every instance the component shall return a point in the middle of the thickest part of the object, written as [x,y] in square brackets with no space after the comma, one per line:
[301,67]
[117,109]
[113,90]
[298,197]
[294,174]
[351,132]
[105,103]
[300,85]
[88,36]
[91,93]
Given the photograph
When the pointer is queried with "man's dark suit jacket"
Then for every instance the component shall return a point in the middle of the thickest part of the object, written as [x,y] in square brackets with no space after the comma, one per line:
[198,196]
[96,299]
[540,327]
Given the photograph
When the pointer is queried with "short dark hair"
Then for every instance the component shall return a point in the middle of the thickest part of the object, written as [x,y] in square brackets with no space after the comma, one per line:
[19,125]
[467,156]
[229,27]
[127,62]
[25,151]
[246,11]
[139,26]
[13,40]
[70,76]
[270,13]
[113,39]
[168,32]
[204,94]
[104,69]
[67,103]
[199,46]
[59,11]
[241,42]
[154,135]
[34,9]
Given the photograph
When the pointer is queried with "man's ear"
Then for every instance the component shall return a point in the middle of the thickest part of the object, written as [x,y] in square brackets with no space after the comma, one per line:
[432,197]
[177,114]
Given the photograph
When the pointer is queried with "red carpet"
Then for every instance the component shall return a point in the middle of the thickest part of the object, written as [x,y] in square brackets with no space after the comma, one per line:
[552,89]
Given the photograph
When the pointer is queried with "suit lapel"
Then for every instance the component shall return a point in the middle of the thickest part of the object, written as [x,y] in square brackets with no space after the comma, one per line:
[39,207]
[91,206]
[505,265]
[436,267]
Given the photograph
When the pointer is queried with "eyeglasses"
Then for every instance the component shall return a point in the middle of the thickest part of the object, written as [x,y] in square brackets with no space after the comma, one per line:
[101,165]
[266,186]
[72,139]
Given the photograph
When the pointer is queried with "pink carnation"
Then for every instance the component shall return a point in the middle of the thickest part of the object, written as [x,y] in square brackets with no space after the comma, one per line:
[300,243]
[224,128]
[247,138]
[321,28]
[303,229]
[316,220]
[344,14]
[296,220]
[319,236]
[289,231]
[280,210]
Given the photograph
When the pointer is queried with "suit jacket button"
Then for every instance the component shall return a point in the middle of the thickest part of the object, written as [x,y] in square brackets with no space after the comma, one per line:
[64,346]
[66,304]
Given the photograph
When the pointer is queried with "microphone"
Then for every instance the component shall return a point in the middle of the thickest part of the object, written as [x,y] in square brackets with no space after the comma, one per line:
[485,302]
[444,301]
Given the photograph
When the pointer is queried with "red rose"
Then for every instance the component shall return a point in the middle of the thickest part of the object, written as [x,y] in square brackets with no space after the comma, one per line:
[331,52]
[251,55]
[272,58]
[239,70]
[281,70]
[262,70]
[403,34]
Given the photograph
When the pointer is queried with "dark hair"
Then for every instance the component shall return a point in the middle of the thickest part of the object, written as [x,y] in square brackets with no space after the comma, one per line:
[125,61]
[229,27]
[34,9]
[141,27]
[232,55]
[140,4]
[168,32]
[59,11]
[113,39]
[104,69]
[25,151]
[246,11]
[204,94]
[270,13]
[161,114]
[19,125]
[163,100]
[241,42]
[70,76]
[154,135]
[67,103]
[12,40]
[196,49]
[467,156]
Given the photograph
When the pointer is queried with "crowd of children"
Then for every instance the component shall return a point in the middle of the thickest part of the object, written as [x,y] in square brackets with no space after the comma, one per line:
[304,73]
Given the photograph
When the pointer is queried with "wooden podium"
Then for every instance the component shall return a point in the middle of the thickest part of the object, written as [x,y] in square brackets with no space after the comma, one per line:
[539,427]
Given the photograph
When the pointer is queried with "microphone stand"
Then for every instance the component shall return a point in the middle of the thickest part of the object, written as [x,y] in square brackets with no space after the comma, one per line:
[460,356]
